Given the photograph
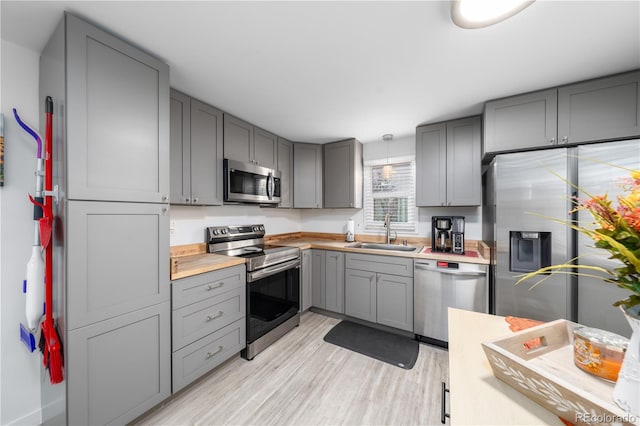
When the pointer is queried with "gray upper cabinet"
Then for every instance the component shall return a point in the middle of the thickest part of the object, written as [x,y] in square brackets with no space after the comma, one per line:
[307,175]
[431,163]
[285,166]
[607,108]
[118,130]
[265,148]
[249,144]
[342,174]
[520,122]
[448,163]
[464,173]
[196,151]
[594,110]
[238,137]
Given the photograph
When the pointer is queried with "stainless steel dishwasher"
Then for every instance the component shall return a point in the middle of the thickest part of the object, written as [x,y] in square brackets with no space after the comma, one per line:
[439,285]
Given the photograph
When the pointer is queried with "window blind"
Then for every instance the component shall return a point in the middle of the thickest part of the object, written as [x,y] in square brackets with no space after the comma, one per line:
[393,194]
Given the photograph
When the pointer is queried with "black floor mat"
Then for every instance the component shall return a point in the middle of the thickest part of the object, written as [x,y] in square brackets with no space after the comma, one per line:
[397,350]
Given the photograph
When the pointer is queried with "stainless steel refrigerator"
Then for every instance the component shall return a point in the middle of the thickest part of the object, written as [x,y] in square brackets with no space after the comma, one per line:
[523,192]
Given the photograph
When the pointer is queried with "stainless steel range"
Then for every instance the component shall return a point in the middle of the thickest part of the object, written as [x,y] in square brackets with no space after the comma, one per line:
[273,282]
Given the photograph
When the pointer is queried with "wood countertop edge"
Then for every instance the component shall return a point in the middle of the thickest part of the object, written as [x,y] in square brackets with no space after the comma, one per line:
[192,259]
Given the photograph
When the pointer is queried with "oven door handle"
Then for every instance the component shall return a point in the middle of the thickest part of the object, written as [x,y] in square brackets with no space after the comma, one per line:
[272,270]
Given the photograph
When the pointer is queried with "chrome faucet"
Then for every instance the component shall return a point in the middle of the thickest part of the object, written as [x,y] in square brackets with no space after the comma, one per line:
[387,225]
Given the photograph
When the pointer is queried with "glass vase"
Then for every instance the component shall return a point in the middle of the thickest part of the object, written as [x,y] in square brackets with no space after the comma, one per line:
[626,392]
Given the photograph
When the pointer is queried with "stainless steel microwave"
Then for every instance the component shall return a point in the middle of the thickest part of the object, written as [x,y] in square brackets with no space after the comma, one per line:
[248,183]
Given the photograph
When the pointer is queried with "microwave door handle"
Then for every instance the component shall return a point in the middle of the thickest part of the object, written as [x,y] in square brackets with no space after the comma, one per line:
[269,183]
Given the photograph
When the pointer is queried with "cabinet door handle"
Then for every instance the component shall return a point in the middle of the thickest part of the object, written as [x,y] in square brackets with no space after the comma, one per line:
[165,198]
[187,200]
[443,408]
[213,287]
[552,141]
[212,354]
[565,139]
[195,200]
[218,315]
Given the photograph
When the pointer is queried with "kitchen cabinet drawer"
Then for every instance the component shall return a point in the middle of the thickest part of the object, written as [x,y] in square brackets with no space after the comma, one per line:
[385,264]
[199,319]
[205,286]
[200,357]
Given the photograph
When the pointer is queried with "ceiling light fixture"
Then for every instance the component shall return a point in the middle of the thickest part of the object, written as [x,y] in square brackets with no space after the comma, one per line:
[387,169]
[472,14]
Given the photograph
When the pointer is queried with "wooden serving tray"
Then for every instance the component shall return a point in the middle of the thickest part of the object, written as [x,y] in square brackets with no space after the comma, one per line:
[548,376]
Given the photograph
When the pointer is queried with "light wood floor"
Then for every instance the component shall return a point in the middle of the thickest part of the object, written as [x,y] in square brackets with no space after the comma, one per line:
[302,380]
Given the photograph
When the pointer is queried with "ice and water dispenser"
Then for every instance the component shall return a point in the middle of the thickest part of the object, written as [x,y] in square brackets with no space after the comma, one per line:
[529,250]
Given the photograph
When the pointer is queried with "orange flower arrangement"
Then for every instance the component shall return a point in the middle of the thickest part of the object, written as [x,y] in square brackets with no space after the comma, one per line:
[617,230]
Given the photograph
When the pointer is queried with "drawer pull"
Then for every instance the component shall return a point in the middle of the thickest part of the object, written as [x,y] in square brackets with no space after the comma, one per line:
[218,315]
[212,354]
[213,287]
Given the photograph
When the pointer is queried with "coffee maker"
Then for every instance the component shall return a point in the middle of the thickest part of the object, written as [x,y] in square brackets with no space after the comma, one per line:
[447,234]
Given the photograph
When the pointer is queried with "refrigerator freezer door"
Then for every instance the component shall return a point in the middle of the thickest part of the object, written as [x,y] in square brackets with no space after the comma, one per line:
[597,176]
[528,195]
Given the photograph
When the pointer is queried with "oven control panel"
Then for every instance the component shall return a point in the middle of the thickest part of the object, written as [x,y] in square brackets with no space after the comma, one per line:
[233,233]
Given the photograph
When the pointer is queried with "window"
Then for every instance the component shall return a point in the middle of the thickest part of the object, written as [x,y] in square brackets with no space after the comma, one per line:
[390,193]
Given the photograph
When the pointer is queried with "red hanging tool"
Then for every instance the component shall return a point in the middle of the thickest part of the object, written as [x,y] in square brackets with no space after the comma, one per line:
[49,340]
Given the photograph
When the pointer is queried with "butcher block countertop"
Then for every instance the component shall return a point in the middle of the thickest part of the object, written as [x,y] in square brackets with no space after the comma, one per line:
[476,395]
[192,259]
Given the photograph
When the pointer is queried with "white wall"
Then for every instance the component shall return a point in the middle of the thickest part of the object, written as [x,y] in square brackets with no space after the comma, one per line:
[19,369]
[335,220]
[189,222]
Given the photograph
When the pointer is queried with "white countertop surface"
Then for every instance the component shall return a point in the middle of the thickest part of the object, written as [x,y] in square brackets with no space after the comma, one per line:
[477,397]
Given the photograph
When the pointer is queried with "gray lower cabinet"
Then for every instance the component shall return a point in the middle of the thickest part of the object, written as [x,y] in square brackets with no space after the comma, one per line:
[307,175]
[395,301]
[118,368]
[360,294]
[306,280]
[117,118]
[196,151]
[374,293]
[328,280]
[285,166]
[208,322]
[448,163]
[342,174]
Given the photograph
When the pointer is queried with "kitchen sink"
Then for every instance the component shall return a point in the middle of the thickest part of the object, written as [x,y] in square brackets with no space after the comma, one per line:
[378,246]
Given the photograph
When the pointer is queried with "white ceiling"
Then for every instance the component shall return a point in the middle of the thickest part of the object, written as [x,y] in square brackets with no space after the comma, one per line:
[322,71]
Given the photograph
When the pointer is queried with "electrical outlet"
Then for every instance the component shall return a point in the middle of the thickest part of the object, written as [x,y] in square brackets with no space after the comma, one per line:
[172,227]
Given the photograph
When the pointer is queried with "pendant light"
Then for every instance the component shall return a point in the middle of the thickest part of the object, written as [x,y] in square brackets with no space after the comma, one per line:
[387,169]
